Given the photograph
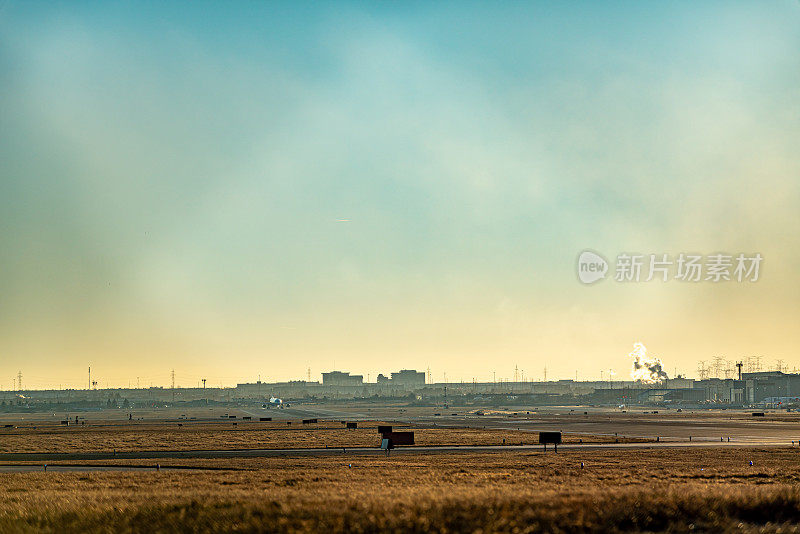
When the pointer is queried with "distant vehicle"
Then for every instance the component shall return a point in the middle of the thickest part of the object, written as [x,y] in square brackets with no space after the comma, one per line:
[276,402]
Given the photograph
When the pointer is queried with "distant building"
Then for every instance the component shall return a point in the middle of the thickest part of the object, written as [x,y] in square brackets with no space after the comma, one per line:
[338,378]
[408,378]
[382,379]
[678,383]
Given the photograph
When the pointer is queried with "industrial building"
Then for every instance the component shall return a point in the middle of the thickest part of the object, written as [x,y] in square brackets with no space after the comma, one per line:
[773,388]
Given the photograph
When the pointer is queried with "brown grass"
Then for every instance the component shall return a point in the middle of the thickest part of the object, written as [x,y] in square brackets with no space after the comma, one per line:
[100,437]
[707,490]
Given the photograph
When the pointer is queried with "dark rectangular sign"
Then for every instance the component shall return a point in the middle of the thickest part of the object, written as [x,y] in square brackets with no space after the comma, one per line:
[550,437]
[400,438]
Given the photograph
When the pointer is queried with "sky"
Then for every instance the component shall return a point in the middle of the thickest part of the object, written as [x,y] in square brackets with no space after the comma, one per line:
[245,190]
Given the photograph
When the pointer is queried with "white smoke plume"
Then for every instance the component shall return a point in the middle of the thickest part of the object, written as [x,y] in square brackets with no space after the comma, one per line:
[646,368]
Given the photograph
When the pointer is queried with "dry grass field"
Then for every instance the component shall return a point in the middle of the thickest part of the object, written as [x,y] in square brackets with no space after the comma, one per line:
[127,437]
[616,490]
[701,490]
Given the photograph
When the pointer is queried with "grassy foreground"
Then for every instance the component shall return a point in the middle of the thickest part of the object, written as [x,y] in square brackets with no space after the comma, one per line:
[706,490]
[124,437]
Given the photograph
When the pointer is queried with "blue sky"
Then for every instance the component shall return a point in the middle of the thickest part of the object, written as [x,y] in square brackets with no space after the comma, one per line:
[236,189]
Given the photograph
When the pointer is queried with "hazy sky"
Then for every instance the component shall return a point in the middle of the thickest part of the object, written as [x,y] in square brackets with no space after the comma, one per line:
[243,189]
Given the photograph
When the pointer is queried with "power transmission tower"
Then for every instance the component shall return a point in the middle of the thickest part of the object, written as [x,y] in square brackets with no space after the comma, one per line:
[173,386]
[739,367]
[702,370]
[718,366]
[728,369]
[516,373]
[19,380]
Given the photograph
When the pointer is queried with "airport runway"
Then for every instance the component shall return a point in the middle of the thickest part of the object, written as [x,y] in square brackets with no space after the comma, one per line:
[648,424]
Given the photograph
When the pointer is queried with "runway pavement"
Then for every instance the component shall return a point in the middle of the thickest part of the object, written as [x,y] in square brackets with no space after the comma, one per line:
[670,426]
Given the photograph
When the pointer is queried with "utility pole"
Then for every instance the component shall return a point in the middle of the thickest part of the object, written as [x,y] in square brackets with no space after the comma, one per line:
[545,373]
[90,377]
[173,386]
